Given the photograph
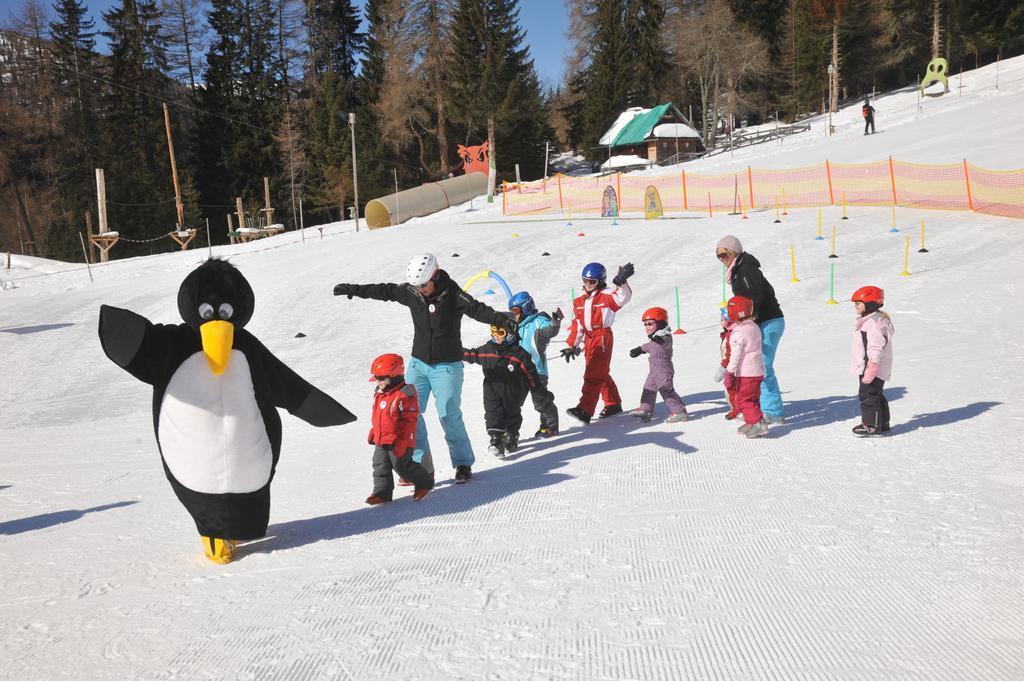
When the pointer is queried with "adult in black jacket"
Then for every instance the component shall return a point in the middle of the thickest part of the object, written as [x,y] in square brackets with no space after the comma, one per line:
[745,277]
[437,305]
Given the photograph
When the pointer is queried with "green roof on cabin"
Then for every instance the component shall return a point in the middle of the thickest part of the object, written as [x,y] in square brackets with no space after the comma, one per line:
[639,129]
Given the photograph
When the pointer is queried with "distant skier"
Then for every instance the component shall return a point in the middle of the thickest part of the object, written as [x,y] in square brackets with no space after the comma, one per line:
[872,360]
[661,374]
[536,329]
[869,116]
[593,315]
[746,366]
[509,375]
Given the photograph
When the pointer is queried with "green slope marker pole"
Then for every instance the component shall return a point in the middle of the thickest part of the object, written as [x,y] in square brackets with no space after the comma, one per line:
[832,286]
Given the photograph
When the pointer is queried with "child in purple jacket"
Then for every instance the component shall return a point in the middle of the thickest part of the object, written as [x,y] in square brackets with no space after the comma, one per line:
[662,373]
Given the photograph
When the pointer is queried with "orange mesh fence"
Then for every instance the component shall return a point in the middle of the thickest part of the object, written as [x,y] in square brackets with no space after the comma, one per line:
[865,184]
[807,186]
[926,186]
[996,192]
[958,186]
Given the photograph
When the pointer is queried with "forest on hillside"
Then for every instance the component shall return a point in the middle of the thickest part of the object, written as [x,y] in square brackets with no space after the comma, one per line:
[265,88]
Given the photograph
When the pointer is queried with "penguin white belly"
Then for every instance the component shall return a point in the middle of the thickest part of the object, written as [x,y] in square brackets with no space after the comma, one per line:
[212,434]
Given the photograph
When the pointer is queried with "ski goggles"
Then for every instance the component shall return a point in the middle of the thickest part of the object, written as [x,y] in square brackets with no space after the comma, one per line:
[498,332]
[590,282]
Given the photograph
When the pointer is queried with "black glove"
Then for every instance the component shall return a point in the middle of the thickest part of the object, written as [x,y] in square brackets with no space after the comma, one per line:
[570,353]
[344,290]
[558,316]
[510,325]
[636,352]
[625,272]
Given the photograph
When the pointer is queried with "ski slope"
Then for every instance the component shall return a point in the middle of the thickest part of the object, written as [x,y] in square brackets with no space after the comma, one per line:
[616,551]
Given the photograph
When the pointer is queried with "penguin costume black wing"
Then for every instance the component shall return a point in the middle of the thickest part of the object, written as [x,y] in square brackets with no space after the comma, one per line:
[216,391]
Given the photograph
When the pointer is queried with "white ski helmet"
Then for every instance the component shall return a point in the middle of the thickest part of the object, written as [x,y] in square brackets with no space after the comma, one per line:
[422,268]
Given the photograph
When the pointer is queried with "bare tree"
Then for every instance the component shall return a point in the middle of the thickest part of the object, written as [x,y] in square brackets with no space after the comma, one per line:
[183,29]
[721,56]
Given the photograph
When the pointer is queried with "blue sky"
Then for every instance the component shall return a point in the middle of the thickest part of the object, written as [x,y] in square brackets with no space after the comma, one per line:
[545,22]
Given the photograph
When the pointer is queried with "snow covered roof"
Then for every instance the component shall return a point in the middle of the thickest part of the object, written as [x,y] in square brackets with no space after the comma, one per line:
[621,122]
[674,130]
[635,126]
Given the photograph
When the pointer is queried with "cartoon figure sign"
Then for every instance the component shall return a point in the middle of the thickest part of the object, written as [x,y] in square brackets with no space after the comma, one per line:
[937,70]
[475,159]
[652,203]
[609,203]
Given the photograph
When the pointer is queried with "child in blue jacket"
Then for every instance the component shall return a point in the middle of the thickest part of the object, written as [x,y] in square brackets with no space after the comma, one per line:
[536,329]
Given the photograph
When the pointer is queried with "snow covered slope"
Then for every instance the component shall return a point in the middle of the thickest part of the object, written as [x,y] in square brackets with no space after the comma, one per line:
[616,551]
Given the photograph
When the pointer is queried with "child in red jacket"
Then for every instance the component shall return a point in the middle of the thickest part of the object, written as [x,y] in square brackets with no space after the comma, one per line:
[393,431]
[730,394]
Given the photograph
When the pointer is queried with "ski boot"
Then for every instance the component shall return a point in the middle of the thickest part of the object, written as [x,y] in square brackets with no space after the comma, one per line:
[220,551]
[610,410]
[864,430]
[511,442]
[463,474]
[546,432]
[578,414]
[678,417]
[497,446]
[641,414]
[377,498]
[402,482]
[759,429]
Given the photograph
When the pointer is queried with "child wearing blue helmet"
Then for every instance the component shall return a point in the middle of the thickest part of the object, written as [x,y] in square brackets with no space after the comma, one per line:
[536,329]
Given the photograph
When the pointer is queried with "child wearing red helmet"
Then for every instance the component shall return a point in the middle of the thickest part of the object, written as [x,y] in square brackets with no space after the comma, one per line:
[661,375]
[872,360]
[730,395]
[393,432]
[746,366]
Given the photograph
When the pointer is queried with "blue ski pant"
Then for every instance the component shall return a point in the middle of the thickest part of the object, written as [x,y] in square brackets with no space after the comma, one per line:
[771,397]
[444,380]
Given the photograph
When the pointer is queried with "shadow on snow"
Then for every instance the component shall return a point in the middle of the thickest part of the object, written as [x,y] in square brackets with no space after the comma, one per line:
[39,522]
[523,472]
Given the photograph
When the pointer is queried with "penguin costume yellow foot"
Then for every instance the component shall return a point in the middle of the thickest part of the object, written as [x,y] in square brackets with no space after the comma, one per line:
[220,551]
[216,392]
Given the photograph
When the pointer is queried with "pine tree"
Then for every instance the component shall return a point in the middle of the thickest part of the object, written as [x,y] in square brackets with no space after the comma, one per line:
[139,188]
[495,90]
[606,94]
[73,61]
[647,57]
[335,47]
[245,102]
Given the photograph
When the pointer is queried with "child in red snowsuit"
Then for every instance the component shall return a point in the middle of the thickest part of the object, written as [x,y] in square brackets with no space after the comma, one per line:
[593,315]
[393,431]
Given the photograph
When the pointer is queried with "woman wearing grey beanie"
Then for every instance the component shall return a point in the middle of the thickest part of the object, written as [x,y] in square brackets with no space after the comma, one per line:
[744,275]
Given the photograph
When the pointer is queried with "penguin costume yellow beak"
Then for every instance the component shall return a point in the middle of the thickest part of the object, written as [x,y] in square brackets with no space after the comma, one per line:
[216,300]
[218,337]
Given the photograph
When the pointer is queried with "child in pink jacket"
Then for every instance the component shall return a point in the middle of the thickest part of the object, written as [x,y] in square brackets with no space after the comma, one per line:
[872,360]
[746,366]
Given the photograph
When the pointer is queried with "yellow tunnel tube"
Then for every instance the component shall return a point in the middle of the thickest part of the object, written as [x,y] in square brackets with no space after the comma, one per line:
[424,200]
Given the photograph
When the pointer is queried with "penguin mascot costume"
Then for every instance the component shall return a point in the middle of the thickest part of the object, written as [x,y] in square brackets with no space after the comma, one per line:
[216,391]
